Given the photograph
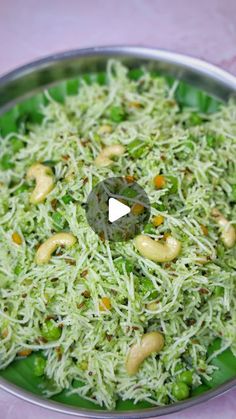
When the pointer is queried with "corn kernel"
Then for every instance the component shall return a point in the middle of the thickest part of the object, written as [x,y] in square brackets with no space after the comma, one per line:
[25,352]
[158,220]
[4,333]
[16,238]
[159,181]
[135,104]
[105,304]
[129,178]
[137,209]
[204,229]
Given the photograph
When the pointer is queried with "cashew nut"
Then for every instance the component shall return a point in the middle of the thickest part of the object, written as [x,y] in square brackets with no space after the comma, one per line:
[105,129]
[156,251]
[105,156]
[152,306]
[150,343]
[203,260]
[44,182]
[228,233]
[46,249]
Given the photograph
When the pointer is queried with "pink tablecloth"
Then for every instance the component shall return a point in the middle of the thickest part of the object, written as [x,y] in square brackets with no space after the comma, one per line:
[31,29]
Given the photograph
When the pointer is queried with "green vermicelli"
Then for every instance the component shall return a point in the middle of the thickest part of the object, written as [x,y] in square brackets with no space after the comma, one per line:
[195,302]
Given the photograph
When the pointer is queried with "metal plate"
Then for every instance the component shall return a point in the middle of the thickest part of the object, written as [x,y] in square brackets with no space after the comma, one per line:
[27,80]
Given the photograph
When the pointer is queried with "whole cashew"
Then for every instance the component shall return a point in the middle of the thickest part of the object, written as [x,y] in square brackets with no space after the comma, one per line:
[105,156]
[46,249]
[150,343]
[44,182]
[228,233]
[156,251]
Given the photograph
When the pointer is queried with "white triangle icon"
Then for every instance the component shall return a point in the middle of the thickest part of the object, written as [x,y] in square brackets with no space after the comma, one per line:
[116,210]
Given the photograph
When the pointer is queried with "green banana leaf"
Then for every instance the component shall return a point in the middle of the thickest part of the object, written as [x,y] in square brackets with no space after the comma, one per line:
[21,373]
[225,362]
[30,109]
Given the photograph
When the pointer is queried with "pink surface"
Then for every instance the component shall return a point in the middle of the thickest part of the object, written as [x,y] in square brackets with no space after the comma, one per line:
[31,29]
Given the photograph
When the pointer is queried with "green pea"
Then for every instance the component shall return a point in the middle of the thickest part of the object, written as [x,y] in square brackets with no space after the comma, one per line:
[218,291]
[146,285]
[24,187]
[39,366]
[58,220]
[210,139]
[135,74]
[186,377]
[195,119]
[50,331]
[154,295]
[16,144]
[6,163]
[117,114]
[17,270]
[129,193]
[128,264]
[67,199]
[159,207]
[148,228]
[180,390]
[136,148]
[178,367]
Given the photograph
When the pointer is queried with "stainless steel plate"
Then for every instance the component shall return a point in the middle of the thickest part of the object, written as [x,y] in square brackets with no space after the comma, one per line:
[29,79]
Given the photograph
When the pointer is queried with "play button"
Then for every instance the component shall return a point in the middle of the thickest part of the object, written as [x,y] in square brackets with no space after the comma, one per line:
[117,209]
